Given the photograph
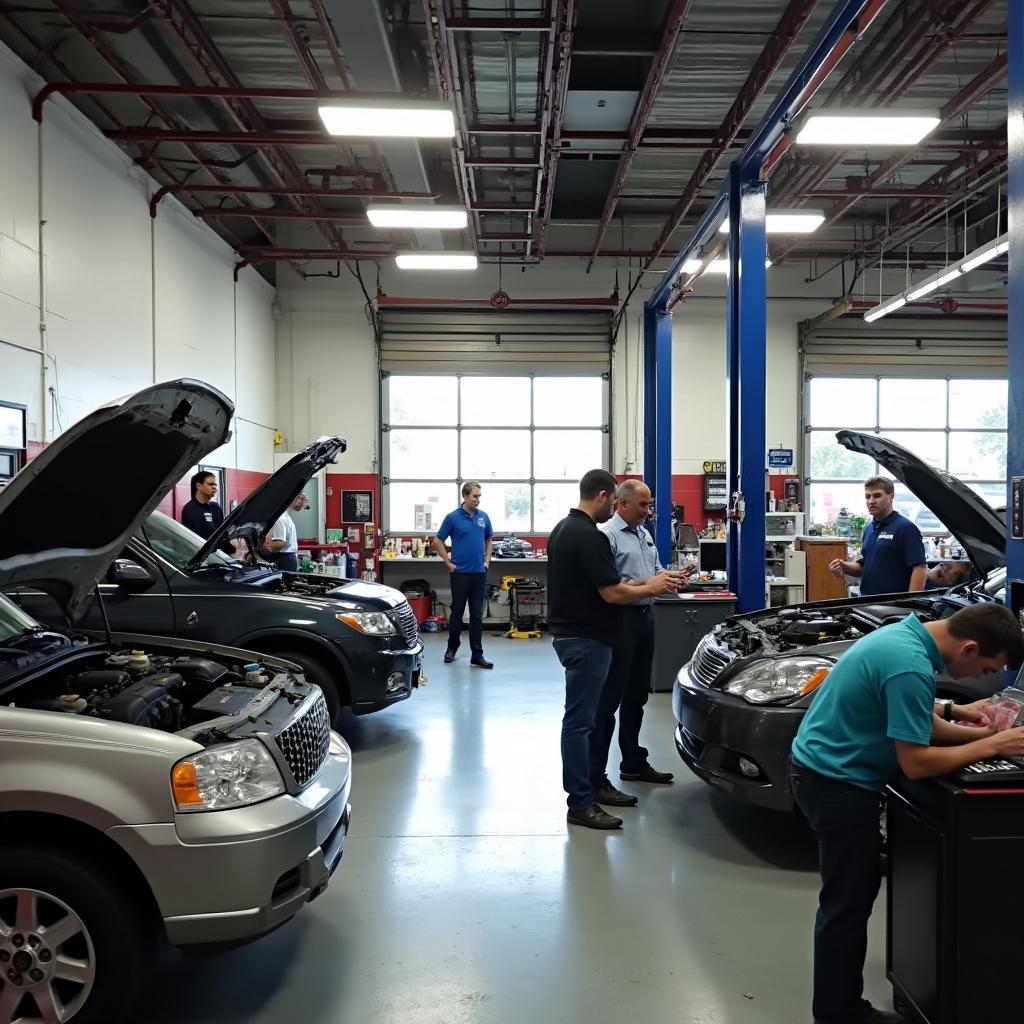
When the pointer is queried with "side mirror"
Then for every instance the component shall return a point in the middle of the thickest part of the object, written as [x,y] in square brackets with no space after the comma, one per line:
[129,574]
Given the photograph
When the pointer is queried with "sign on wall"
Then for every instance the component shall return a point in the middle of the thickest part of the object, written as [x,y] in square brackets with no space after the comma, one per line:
[357,506]
[780,458]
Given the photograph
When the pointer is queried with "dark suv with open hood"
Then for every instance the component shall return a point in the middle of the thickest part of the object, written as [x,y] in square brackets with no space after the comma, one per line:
[739,701]
[150,786]
[357,641]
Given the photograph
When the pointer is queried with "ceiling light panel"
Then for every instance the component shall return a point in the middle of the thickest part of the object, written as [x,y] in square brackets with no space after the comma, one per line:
[389,120]
[787,222]
[441,217]
[934,284]
[984,255]
[436,261]
[866,128]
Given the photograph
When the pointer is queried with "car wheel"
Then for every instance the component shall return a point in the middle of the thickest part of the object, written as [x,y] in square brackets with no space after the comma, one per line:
[316,672]
[73,944]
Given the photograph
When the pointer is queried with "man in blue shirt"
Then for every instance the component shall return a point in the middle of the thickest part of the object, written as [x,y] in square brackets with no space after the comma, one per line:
[892,553]
[874,716]
[470,532]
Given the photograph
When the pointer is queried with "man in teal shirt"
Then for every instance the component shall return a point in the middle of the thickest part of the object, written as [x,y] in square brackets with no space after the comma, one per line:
[874,716]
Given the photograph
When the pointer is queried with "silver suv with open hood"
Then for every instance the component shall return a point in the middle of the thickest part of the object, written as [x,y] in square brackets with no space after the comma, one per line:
[151,787]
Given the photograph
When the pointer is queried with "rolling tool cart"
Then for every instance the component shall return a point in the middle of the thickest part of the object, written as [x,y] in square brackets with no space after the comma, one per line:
[527,608]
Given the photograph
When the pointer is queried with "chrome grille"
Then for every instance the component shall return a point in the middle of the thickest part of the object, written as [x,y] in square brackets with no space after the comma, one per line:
[708,661]
[305,742]
[406,622]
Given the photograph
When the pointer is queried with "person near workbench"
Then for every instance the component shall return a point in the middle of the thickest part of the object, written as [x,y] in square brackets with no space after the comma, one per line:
[628,683]
[585,590]
[469,528]
[202,514]
[892,557]
[873,716]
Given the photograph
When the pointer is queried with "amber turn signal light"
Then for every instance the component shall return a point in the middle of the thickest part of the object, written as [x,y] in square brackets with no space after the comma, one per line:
[814,682]
[185,785]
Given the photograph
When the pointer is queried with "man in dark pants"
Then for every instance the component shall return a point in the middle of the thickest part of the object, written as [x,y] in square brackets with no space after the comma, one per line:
[584,591]
[470,530]
[892,557]
[874,715]
[628,684]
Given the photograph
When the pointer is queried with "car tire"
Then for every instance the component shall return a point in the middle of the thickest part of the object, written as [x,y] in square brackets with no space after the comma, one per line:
[316,672]
[94,964]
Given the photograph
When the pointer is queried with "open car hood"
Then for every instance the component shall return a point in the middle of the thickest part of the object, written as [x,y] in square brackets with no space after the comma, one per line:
[252,519]
[66,516]
[974,523]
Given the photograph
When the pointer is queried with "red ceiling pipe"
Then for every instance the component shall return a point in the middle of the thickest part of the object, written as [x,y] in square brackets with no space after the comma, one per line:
[223,212]
[402,300]
[268,254]
[137,135]
[670,35]
[786,32]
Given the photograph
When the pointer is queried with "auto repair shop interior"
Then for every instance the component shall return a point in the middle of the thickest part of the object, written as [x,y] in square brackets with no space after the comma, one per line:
[332,260]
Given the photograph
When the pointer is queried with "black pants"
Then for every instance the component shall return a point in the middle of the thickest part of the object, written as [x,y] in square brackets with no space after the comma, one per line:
[625,690]
[845,820]
[286,560]
[467,587]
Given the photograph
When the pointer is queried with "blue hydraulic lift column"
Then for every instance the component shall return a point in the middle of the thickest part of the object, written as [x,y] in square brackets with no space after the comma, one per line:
[747,300]
[1015,289]
[658,423]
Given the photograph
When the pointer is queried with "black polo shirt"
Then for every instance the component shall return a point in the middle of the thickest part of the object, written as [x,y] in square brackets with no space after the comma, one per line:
[579,563]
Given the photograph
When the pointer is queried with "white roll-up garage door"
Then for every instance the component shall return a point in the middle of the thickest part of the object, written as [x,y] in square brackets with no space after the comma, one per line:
[952,346]
[495,341]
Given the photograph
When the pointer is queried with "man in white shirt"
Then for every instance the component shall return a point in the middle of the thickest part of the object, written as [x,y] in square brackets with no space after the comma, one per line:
[281,546]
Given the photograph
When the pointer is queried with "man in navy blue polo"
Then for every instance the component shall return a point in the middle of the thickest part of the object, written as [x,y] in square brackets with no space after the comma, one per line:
[892,553]
[470,531]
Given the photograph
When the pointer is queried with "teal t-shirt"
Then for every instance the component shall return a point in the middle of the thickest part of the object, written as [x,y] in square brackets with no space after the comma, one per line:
[882,689]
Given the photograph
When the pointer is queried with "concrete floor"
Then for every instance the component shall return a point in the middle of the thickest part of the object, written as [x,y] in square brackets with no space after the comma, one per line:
[463,896]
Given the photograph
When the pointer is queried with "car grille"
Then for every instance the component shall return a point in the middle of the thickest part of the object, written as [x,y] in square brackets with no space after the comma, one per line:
[708,662]
[305,742]
[406,622]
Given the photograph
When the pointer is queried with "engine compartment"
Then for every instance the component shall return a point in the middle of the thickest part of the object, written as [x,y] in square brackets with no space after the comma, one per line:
[157,691]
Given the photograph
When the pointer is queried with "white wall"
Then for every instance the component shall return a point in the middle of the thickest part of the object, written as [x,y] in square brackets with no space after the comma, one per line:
[129,299]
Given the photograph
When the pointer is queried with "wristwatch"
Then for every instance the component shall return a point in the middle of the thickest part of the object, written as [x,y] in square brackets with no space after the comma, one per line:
[947,708]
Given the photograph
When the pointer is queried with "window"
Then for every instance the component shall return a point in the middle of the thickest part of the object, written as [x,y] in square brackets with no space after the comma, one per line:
[955,425]
[527,439]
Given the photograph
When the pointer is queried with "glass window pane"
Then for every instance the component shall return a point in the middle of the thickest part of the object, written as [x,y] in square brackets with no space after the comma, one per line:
[827,500]
[978,455]
[842,402]
[423,454]
[568,402]
[12,427]
[830,460]
[911,403]
[496,401]
[993,493]
[929,445]
[420,506]
[551,502]
[487,454]
[508,505]
[566,454]
[908,504]
[423,401]
[977,403]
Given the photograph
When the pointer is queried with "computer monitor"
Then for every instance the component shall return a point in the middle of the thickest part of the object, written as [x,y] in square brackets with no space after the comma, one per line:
[712,557]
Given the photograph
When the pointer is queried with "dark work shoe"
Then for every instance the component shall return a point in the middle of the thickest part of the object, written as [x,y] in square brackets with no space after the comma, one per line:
[645,774]
[593,817]
[481,662]
[449,657]
[608,794]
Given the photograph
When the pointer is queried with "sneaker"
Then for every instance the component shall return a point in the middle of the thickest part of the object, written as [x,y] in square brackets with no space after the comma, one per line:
[593,817]
[608,794]
[449,657]
[645,774]
[481,662]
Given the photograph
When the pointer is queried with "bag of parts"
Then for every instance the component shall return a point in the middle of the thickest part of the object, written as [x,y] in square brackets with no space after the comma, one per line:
[1005,709]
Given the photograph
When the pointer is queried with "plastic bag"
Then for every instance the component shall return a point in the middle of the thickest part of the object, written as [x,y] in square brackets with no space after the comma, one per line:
[1004,710]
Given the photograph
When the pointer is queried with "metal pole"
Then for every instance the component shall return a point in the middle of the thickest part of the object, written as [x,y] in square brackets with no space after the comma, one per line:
[649,348]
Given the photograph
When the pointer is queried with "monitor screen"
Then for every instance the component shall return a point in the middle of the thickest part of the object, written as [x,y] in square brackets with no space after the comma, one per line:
[712,556]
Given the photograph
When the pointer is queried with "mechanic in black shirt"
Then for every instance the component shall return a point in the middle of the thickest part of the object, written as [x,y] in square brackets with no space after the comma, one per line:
[202,514]
[584,590]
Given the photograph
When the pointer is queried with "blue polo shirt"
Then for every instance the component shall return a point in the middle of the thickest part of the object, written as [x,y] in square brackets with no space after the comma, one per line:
[470,534]
[889,551]
[882,689]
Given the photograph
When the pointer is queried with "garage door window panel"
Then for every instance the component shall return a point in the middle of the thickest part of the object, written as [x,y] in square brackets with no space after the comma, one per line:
[424,454]
[423,401]
[488,454]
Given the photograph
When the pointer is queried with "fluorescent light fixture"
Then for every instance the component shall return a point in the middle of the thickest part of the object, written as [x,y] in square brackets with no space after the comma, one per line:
[879,311]
[721,266]
[417,216]
[989,252]
[943,277]
[436,261]
[874,127]
[786,222]
[692,265]
[400,118]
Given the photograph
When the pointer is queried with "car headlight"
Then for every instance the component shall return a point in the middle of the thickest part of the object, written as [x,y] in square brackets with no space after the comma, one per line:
[228,775]
[376,623]
[775,680]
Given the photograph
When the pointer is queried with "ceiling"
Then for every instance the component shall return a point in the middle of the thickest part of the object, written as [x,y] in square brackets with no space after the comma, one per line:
[587,128]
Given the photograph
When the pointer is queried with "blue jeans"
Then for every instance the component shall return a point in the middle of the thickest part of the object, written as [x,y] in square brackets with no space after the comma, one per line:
[586,663]
[845,819]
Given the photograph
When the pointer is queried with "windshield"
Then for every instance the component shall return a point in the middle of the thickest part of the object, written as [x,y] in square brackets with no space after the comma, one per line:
[13,620]
[177,543]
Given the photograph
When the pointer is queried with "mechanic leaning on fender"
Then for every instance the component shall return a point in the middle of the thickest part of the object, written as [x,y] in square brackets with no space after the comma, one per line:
[874,715]
[892,557]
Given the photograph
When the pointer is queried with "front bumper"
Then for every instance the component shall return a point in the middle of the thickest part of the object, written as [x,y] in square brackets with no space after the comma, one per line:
[230,876]
[715,729]
[384,676]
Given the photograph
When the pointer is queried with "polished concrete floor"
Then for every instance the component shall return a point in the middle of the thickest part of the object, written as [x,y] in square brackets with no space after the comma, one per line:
[463,895]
